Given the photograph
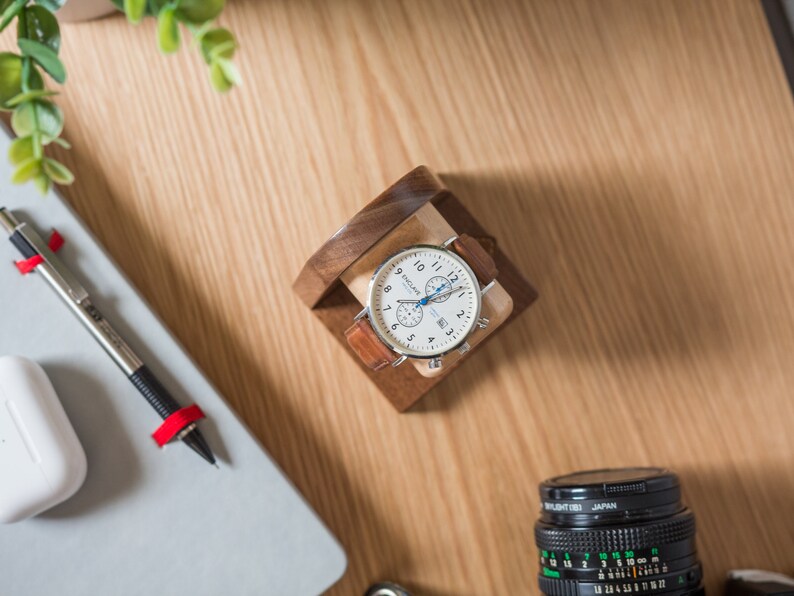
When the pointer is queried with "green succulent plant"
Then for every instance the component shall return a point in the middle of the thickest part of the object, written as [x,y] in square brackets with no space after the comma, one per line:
[197,16]
[37,121]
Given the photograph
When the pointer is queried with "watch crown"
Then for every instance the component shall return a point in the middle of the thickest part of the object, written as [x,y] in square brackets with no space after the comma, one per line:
[434,363]
[482,322]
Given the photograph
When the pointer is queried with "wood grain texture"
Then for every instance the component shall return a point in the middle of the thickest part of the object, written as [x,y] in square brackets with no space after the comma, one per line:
[635,158]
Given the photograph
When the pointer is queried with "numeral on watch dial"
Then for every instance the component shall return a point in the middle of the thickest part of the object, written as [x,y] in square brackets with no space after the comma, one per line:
[424,301]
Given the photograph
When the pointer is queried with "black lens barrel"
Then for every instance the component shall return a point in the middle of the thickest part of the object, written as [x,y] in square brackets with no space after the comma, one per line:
[637,536]
[605,496]
[616,531]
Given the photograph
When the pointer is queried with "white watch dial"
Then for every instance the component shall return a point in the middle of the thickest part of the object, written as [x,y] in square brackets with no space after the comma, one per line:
[424,301]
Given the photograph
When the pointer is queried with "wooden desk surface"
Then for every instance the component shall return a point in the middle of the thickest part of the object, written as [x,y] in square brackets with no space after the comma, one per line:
[634,158]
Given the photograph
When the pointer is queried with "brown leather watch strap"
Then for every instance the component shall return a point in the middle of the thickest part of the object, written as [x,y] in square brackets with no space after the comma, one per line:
[372,351]
[471,251]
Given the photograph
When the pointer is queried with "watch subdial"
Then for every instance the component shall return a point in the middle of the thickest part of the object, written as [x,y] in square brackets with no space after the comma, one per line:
[409,315]
[437,285]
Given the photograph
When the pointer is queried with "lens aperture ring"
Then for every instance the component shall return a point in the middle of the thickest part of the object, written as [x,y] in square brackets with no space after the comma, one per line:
[648,535]
[685,582]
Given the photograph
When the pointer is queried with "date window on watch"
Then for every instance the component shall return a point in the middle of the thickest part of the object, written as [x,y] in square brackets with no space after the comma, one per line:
[442,322]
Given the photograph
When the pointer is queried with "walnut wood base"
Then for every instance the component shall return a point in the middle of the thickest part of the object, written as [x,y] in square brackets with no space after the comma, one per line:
[418,208]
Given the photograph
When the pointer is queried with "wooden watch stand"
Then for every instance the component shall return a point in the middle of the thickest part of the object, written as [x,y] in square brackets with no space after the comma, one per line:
[417,209]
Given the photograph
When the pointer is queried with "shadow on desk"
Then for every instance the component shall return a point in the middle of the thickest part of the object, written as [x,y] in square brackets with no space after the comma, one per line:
[622,273]
[113,467]
[738,507]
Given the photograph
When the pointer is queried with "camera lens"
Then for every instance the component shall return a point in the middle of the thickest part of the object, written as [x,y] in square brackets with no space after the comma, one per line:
[622,531]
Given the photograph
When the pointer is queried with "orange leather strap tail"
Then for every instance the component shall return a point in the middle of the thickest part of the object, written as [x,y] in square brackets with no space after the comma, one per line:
[372,351]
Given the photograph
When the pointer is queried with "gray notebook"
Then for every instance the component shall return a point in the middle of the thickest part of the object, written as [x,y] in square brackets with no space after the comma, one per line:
[147,521]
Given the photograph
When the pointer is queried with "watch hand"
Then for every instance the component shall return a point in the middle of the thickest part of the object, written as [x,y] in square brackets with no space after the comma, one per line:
[423,300]
[429,297]
[442,294]
[437,294]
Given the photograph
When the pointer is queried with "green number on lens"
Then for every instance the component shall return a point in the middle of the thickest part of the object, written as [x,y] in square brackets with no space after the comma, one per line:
[602,556]
[587,556]
[616,554]
[628,554]
[567,557]
[654,551]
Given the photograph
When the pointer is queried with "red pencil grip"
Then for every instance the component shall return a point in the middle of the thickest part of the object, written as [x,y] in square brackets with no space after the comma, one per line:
[55,243]
[175,423]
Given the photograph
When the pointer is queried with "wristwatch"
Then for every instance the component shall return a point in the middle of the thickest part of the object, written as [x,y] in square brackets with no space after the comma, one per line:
[423,302]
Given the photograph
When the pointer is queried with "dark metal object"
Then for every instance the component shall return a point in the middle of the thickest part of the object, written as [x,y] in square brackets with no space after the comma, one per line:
[782,28]
[165,405]
[386,589]
[753,582]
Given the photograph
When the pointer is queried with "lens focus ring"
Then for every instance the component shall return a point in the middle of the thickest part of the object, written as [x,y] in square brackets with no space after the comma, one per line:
[680,527]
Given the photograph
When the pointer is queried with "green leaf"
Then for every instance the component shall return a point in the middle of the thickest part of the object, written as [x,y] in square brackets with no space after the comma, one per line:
[20,150]
[230,71]
[62,142]
[11,72]
[35,82]
[40,25]
[199,11]
[199,32]
[42,183]
[39,116]
[50,118]
[218,78]
[57,171]
[45,57]
[26,170]
[223,51]
[134,9]
[217,43]
[167,31]
[153,7]
[11,11]
[35,94]
[51,5]
[10,78]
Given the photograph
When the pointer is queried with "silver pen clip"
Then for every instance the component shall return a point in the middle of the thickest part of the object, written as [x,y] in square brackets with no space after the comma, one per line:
[68,281]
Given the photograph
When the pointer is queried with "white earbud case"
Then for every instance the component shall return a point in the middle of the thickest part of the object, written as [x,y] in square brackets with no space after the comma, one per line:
[42,462]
